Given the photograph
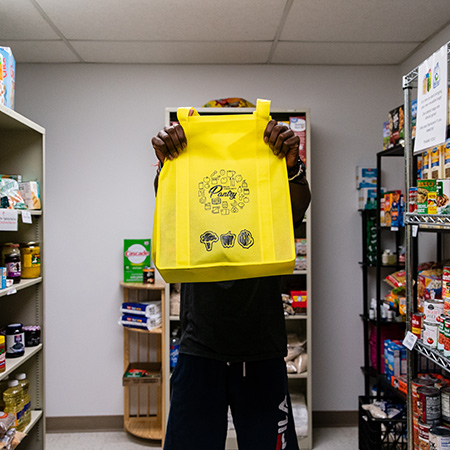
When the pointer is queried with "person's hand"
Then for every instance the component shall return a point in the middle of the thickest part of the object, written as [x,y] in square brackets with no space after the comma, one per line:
[169,142]
[283,142]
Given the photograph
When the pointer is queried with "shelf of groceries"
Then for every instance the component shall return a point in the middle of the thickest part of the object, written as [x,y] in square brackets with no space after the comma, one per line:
[23,284]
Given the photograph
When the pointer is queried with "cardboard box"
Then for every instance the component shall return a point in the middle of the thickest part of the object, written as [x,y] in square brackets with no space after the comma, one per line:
[367,198]
[437,163]
[400,383]
[446,152]
[30,194]
[386,135]
[8,87]
[298,125]
[443,196]
[366,177]
[397,126]
[426,197]
[413,117]
[136,256]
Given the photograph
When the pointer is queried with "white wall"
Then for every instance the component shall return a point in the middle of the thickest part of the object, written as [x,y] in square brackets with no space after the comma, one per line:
[99,121]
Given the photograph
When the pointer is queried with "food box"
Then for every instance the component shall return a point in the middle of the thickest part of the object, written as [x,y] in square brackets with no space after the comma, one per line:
[437,162]
[413,117]
[446,152]
[397,126]
[386,135]
[298,126]
[366,177]
[136,256]
[7,78]
[30,194]
[426,197]
[367,198]
[443,196]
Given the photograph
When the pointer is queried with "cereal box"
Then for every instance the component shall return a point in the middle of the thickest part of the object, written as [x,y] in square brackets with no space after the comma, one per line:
[426,197]
[136,256]
[446,152]
[413,117]
[7,90]
[396,126]
[298,126]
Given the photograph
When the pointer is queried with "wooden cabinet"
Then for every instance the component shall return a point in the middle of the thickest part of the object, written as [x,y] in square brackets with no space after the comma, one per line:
[144,398]
[22,152]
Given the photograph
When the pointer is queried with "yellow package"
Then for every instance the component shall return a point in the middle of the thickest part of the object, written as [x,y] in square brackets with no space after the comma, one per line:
[223,207]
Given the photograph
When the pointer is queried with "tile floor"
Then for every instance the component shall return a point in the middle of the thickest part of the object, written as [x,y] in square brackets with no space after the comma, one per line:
[324,439]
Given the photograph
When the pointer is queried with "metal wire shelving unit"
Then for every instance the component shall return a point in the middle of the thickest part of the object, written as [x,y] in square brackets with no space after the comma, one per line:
[413,224]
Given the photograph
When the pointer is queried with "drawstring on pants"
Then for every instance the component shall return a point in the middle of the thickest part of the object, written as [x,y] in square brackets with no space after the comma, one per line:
[244,369]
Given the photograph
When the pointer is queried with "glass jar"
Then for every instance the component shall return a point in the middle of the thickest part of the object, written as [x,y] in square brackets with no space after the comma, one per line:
[7,248]
[31,259]
[12,262]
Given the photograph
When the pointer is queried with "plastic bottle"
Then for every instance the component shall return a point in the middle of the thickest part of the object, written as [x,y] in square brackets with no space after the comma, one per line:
[13,403]
[174,349]
[2,353]
[25,385]
[3,387]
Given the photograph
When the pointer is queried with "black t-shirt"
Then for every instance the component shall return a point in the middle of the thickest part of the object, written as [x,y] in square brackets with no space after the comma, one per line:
[234,321]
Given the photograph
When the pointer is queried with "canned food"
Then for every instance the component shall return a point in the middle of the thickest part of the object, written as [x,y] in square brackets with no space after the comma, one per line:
[445,406]
[31,260]
[424,435]
[429,334]
[428,405]
[415,384]
[412,199]
[447,337]
[441,332]
[432,309]
[439,438]
[416,324]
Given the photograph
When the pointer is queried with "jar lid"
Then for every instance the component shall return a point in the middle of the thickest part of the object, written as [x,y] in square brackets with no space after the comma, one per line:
[13,327]
[10,244]
[29,244]
[13,383]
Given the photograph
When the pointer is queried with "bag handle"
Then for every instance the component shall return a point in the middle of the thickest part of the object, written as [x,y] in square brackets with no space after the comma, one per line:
[262,109]
[183,114]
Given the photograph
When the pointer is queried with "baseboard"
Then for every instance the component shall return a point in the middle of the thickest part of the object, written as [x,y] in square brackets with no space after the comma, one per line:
[77,424]
[326,419]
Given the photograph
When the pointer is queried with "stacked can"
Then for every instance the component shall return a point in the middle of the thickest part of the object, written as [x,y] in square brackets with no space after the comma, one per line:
[415,385]
[433,316]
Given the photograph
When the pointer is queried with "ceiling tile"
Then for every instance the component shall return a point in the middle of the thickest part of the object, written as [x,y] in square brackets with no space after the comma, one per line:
[341,53]
[174,52]
[365,20]
[41,52]
[166,19]
[19,19]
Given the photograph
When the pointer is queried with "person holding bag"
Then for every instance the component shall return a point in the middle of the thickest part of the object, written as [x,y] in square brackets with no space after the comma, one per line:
[233,337]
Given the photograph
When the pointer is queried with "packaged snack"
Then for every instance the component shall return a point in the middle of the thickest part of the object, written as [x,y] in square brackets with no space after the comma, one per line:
[9,77]
[426,197]
[30,194]
[443,196]
[147,309]
[9,194]
[396,279]
[437,162]
[397,126]
[386,135]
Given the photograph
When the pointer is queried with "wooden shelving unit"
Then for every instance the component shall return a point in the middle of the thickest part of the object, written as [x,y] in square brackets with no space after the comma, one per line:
[144,398]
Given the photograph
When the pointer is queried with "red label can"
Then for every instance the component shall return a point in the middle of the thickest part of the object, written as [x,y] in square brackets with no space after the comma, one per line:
[416,323]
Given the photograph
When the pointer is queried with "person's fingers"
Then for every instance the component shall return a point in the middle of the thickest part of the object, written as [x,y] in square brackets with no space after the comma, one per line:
[181,136]
[274,143]
[268,130]
[177,146]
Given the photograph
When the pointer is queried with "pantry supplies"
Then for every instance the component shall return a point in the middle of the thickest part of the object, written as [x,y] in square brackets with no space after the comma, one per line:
[136,256]
[31,259]
[8,84]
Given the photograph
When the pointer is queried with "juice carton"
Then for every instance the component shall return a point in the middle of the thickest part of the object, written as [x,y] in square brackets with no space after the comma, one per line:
[136,256]
[9,77]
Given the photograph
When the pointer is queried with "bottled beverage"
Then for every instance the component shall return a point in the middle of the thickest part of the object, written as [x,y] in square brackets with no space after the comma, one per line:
[3,387]
[25,385]
[13,403]
[174,349]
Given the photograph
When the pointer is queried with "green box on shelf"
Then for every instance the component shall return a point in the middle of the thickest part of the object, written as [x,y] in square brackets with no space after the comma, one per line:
[136,256]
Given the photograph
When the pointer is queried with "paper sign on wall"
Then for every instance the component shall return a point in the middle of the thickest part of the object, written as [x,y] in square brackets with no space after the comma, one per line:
[432,101]
[8,220]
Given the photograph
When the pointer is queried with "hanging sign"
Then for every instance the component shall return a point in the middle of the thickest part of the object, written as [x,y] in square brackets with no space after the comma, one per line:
[8,220]
[432,101]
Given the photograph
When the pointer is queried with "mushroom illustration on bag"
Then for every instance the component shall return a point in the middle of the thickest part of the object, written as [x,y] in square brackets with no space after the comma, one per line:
[208,238]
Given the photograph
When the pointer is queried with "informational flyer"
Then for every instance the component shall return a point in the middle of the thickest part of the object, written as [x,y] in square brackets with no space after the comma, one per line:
[8,220]
[432,101]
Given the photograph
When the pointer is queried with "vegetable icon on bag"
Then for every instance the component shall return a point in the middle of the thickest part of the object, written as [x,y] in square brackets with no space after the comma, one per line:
[208,238]
[245,239]
[228,239]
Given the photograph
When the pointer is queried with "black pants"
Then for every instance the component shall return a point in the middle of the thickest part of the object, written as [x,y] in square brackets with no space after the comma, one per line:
[257,393]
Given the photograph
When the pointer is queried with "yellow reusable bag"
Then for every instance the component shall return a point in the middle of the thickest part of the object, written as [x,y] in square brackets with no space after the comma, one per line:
[223,208]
